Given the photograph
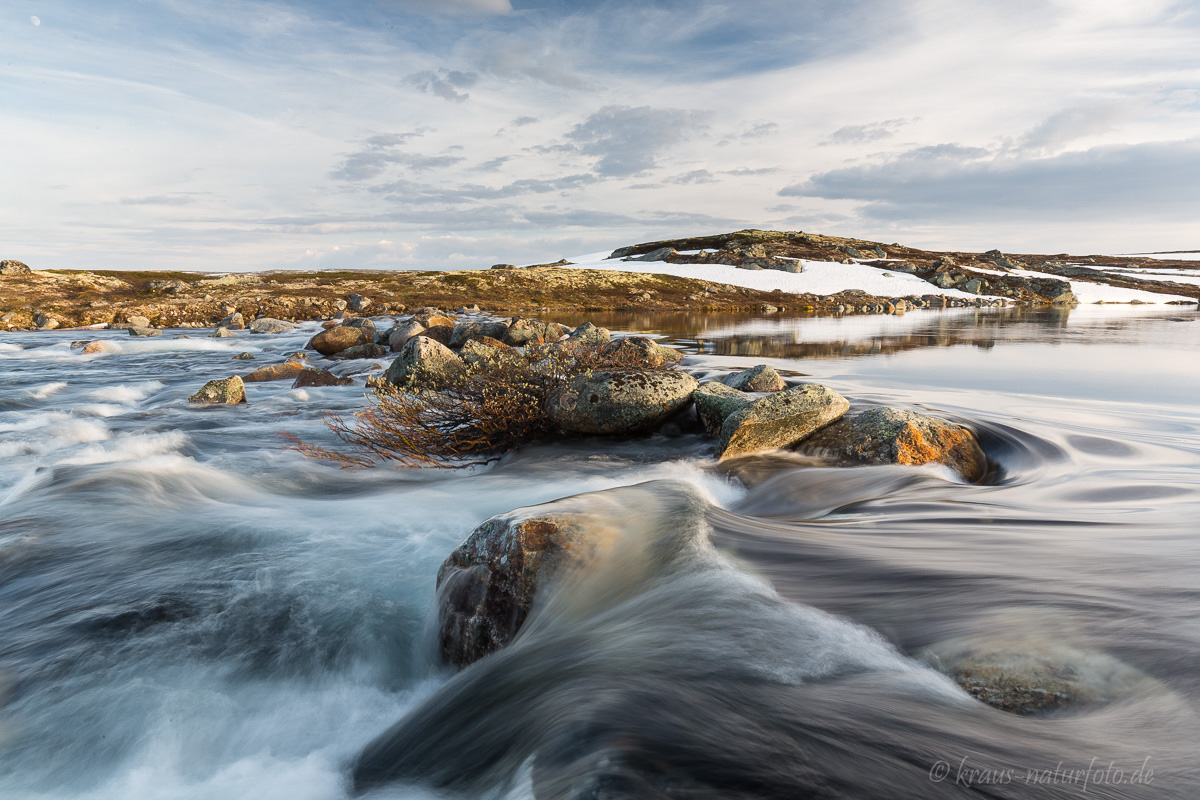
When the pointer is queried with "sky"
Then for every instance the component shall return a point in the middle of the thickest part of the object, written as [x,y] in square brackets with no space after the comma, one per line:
[231,135]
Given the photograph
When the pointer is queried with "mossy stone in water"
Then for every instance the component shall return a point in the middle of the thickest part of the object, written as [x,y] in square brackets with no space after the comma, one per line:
[779,420]
[227,391]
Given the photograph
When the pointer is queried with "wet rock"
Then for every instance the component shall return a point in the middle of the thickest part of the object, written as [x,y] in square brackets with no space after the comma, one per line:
[621,401]
[424,359]
[399,335]
[640,351]
[234,322]
[10,267]
[779,420]
[220,333]
[884,435]
[465,331]
[138,330]
[229,391]
[357,303]
[244,357]
[318,377]
[715,402]
[92,348]
[471,309]
[44,322]
[369,350]
[335,340]
[756,379]
[275,372]
[1036,677]
[270,325]
[488,585]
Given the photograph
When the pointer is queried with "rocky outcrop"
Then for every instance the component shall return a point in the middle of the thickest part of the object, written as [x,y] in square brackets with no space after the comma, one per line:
[228,391]
[424,359]
[335,340]
[10,267]
[897,436]
[715,402]
[276,372]
[621,401]
[779,420]
[270,325]
[319,377]
[756,379]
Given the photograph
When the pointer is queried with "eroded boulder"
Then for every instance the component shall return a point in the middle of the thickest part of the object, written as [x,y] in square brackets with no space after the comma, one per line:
[779,420]
[620,401]
[885,435]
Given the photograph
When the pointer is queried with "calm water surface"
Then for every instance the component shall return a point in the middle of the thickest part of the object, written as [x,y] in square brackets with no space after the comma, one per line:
[190,610]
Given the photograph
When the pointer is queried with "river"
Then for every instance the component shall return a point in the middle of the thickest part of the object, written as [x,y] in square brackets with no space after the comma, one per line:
[190,609]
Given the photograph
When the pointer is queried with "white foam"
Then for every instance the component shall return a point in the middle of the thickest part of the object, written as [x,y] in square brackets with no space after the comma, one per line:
[127,393]
[6,347]
[47,389]
[137,447]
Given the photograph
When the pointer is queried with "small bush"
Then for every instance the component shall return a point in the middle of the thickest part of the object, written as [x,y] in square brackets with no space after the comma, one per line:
[475,416]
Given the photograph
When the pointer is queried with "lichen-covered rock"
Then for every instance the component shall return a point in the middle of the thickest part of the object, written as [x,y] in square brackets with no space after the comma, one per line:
[318,377]
[357,303]
[228,391]
[884,435]
[270,325]
[486,349]
[489,584]
[399,335]
[98,346]
[244,357]
[431,318]
[439,333]
[589,335]
[756,379]
[465,331]
[220,333]
[234,322]
[424,358]
[369,350]
[335,340]
[779,420]
[364,324]
[522,331]
[715,402]
[641,351]
[10,267]
[138,321]
[620,401]
[275,372]
[138,330]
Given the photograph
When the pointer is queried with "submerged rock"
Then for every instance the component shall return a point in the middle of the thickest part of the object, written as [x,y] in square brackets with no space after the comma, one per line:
[318,377]
[229,391]
[715,402]
[244,357]
[779,420]
[369,350]
[220,333]
[620,401]
[423,357]
[756,379]
[275,372]
[234,322]
[335,340]
[897,436]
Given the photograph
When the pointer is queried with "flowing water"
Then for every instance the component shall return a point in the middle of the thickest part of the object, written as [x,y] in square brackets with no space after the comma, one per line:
[188,609]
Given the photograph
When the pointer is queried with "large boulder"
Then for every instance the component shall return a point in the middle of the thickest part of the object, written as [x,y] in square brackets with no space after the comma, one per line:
[335,340]
[220,333]
[364,324]
[620,401]
[10,267]
[588,335]
[640,351]
[431,318]
[275,372]
[465,331]
[779,420]
[399,335]
[609,540]
[756,379]
[439,333]
[715,402]
[228,391]
[522,331]
[884,435]
[270,325]
[424,359]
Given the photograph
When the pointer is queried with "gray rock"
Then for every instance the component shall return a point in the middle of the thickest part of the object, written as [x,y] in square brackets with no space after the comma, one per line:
[589,335]
[779,420]
[399,335]
[640,351]
[884,435]
[368,350]
[756,379]
[522,331]
[489,584]
[11,267]
[220,333]
[715,402]
[465,331]
[234,322]
[485,349]
[621,401]
[138,321]
[425,360]
[168,287]
[783,265]
[357,303]
[365,325]
[270,325]
[229,391]
[138,330]
[661,254]
[244,357]
[44,322]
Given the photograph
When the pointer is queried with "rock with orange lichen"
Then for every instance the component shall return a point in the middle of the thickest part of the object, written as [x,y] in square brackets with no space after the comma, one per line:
[896,436]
